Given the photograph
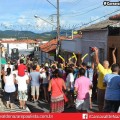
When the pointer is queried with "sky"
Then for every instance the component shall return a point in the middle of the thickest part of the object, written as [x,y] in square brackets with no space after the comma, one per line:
[19,14]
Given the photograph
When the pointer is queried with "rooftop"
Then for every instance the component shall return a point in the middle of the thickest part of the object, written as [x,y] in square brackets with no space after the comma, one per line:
[52,44]
[115,17]
[28,41]
[100,25]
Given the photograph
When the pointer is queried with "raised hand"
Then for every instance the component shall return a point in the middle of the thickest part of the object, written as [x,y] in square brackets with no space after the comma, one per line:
[96,49]
[114,50]
[114,57]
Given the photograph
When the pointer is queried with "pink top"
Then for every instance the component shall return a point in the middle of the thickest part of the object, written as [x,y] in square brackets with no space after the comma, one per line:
[57,85]
[83,85]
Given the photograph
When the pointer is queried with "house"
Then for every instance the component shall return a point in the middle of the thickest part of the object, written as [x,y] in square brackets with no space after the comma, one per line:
[97,35]
[115,17]
[24,46]
[48,50]
[70,46]
[114,38]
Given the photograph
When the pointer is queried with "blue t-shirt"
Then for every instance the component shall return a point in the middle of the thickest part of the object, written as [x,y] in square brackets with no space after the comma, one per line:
[89,74]
[75,73]
[35,78]
[113,87]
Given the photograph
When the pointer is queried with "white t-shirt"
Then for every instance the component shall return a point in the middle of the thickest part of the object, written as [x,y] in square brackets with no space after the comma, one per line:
[22,85]
[70,78]
[44,77]
[9,84]
[15,72]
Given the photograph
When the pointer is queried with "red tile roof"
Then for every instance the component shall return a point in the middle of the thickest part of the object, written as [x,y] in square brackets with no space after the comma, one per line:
[51,45]
[29,41]
[115,17]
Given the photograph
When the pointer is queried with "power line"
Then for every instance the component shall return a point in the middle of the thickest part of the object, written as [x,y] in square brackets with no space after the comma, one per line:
[79,13]
[92,21]
[96,3]
[99,18]
[44,20]
[51,4]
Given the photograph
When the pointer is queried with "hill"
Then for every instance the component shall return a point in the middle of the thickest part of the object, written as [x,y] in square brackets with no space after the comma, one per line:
[31,35]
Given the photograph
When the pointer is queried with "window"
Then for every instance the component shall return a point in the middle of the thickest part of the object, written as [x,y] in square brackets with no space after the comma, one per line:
[114,31]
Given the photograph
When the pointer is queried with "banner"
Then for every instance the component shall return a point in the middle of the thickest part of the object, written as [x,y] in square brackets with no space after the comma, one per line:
[60,116]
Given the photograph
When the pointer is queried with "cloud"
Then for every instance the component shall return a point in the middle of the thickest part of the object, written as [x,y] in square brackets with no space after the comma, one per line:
[22,20]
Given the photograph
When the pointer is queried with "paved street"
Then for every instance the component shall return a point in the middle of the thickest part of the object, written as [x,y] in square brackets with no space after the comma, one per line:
[41,106]
[15,109]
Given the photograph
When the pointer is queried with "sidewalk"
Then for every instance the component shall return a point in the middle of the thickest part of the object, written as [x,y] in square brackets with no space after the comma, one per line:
[16,106]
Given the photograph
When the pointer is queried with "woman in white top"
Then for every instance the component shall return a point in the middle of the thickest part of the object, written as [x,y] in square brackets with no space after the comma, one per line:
[45,76]
[15,73]
[9,88]
[70,87]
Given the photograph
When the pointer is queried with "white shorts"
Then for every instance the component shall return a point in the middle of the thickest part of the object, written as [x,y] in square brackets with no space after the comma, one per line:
[82,104]
[90,92]
[35,89]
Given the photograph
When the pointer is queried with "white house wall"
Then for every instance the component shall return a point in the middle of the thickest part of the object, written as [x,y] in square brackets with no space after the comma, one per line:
[20,46]
[92,39]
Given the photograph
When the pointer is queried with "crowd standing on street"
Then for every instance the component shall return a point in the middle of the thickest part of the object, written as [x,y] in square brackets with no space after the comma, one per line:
[64,85]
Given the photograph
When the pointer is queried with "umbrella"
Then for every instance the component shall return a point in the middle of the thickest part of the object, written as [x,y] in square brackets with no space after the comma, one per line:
[3,61]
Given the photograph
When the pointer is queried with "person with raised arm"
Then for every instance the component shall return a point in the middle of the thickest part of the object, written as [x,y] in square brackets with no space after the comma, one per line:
[103,70]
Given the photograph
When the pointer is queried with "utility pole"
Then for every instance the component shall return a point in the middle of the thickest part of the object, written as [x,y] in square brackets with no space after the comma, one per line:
[0,65]
[58,29]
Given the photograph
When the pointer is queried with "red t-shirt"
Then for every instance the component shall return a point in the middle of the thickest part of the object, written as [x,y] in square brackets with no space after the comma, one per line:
[21,70]
[57,85]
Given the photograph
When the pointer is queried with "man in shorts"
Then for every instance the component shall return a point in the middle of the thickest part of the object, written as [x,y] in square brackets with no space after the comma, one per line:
[22,90]
[82,87]
[35,83]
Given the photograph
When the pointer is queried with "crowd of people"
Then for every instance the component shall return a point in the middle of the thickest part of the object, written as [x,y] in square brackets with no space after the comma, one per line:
[64,84]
